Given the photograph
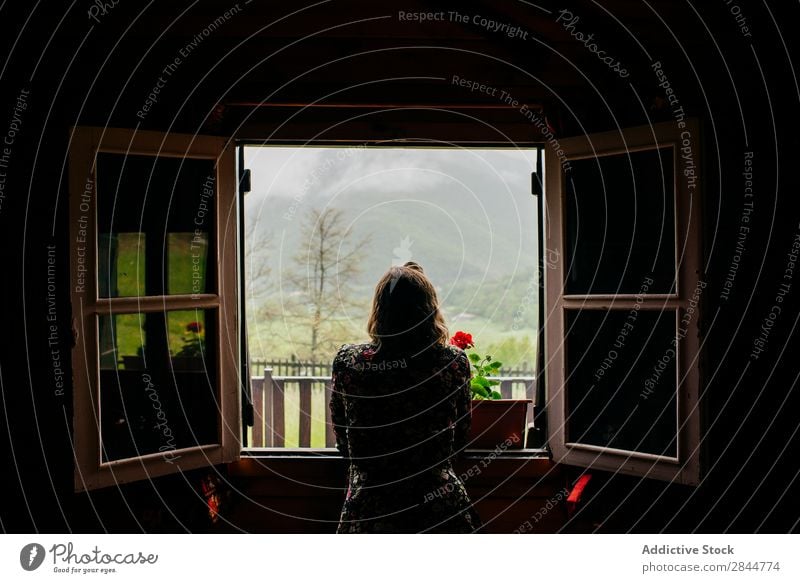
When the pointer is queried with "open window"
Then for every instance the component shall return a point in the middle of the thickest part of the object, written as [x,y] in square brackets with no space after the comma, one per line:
[622,301]
[153,236]
[155,225]
[323,222]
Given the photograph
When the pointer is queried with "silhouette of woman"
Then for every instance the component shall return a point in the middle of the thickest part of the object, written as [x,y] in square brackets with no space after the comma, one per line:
[401,411]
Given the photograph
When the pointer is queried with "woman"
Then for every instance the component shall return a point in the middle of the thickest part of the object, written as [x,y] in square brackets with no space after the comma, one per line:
[401,410]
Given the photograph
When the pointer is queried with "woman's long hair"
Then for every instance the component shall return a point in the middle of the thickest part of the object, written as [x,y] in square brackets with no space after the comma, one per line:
[405,311]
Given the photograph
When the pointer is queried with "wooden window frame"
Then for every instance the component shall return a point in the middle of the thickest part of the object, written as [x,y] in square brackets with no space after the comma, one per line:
[262,396]
[90,471]
[685,468]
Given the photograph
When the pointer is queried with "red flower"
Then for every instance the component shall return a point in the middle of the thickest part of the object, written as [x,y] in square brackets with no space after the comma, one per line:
[195,327]
[213,507]
[462,340]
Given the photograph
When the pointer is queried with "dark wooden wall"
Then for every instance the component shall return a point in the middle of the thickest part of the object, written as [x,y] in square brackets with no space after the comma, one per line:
[286,495]
[744,91]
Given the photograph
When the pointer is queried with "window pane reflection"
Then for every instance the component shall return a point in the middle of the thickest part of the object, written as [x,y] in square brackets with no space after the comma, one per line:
[620,223]
[158,382]
[621,380]
[187,259]
[155,220]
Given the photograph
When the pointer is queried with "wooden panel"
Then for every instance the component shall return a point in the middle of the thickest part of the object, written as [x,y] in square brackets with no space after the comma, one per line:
[529,515]
[304,493]
[304,439]
[506,389]
[299,468]
[143,304]
[271,514]
[257,386]
[514,489]
[330,436]
[268,439]
[497,468]
[274,416]
[276,487]
[278,413]
[286,515]
[530,393]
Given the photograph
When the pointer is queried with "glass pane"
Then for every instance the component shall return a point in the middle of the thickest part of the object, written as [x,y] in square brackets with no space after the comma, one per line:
[621,380]
[187,277]
[155,222]
[465,214]
[157,383]
[620,222]
[121,257]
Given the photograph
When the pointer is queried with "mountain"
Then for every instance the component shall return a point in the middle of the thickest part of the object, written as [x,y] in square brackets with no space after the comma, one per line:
[467,216]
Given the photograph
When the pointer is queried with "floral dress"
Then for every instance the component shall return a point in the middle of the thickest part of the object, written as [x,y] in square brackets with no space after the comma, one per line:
[400,420]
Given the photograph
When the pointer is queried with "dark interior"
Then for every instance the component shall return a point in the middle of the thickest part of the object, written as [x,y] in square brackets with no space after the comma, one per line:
[354,71]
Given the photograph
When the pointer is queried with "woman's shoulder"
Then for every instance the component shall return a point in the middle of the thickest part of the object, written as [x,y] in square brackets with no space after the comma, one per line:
[456,358]
[350,354]
[453,352]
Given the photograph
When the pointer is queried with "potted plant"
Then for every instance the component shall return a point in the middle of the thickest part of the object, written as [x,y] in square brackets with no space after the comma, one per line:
[496,422]
[134,362]
[190,356]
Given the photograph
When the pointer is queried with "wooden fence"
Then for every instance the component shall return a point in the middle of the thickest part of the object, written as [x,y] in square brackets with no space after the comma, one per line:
[269,405]
[289,368]
[299,368]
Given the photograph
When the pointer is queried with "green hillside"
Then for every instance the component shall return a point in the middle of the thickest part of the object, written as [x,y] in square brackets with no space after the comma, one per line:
[468,217]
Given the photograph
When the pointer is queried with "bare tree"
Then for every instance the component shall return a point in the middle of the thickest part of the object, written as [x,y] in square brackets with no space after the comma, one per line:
[258,283]
[324,269]
[257,249]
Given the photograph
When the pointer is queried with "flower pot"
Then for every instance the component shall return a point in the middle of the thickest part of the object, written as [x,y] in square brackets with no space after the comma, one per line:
[132,363]
[498,423]
[187,364]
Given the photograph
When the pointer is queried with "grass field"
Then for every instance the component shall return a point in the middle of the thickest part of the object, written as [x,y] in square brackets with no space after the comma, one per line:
[272,338]
[186,275]
[280,339]
[292,417]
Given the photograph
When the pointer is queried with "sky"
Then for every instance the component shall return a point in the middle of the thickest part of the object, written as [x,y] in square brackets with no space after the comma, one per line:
[466,215]
[472,205]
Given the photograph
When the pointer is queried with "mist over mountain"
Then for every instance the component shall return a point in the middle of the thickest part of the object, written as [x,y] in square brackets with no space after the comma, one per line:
[467,216]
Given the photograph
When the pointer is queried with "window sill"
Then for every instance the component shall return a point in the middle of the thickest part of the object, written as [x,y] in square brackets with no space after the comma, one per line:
[332,453]
[326,468]
[302,490]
